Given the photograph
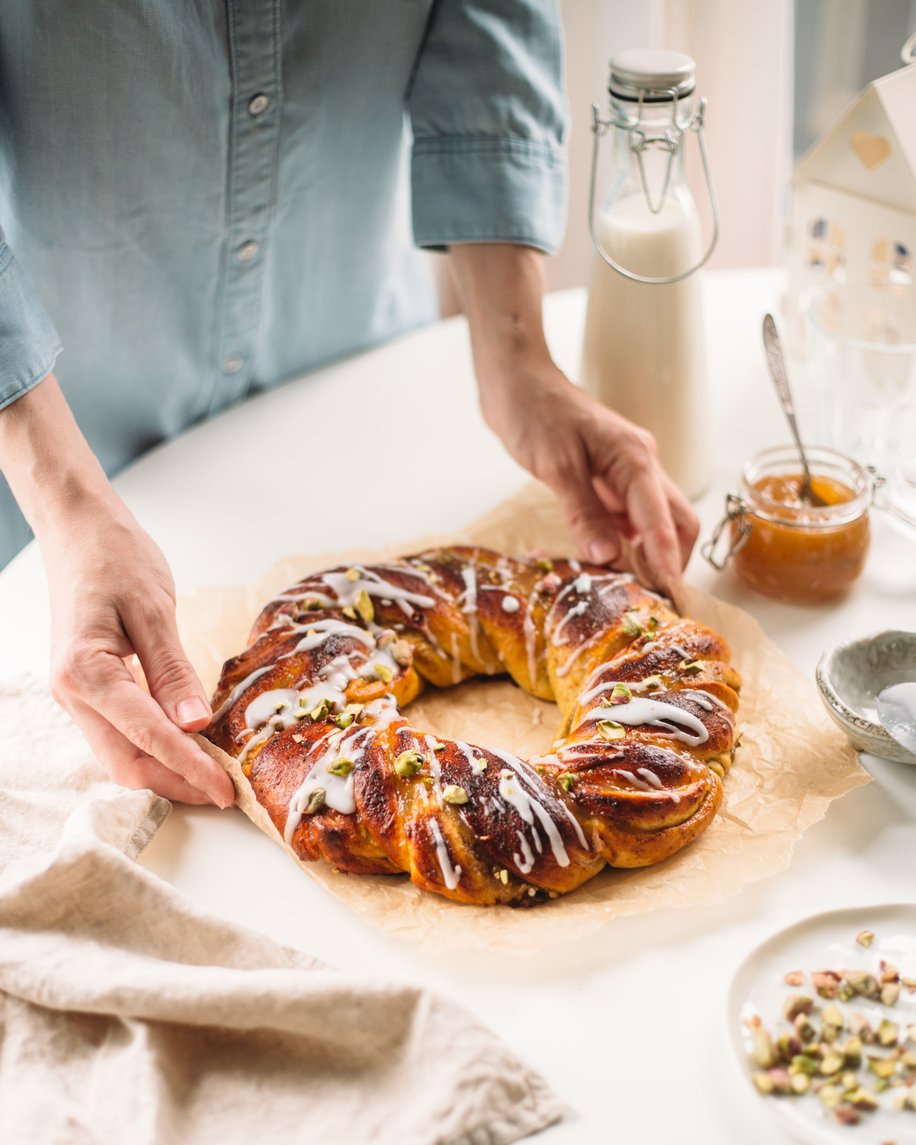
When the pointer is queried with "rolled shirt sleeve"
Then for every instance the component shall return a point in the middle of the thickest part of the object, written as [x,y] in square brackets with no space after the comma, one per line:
[29,344]
[489,116]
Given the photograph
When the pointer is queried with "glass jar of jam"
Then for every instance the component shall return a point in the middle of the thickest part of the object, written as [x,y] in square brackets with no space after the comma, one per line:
[786,548]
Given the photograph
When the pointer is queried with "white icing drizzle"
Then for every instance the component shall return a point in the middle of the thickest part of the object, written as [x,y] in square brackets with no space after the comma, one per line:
[669,718]
[347,590]
[595,673]
[338,789]
[647,780]
[380,658]
[525,860]
[451,874]
[702,699]
[636,686]
[579,609]
[634,779]
[283,620]
[238,689]
[275,707]
[577,751]
[575,566]
[434,642]
[554,838]
[614,580]
[712,701]
[530,642]
[583,584]
[383,711]
[338,673]
[511,789]
[598,690]
[477,765]
[409,569]
[469,605]
[255,741]
[510,603]
[322,600]
[321,630]
[558,600]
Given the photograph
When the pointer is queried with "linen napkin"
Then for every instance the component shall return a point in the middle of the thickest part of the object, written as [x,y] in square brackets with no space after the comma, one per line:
[129,1015]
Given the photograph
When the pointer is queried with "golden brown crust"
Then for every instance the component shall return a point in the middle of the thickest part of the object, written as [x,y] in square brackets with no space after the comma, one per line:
[312,711]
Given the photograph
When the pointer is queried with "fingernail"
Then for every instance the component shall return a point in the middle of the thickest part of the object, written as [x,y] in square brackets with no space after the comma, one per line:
[191,710]
[601,552]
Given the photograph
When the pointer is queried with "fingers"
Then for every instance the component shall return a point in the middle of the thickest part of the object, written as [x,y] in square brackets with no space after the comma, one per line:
[686,522]
[648,508]
[172,681]
[129,766]
[98,683]
[660,522]
[595,535]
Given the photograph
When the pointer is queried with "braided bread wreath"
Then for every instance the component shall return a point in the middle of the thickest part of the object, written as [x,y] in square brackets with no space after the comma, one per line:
[312,712]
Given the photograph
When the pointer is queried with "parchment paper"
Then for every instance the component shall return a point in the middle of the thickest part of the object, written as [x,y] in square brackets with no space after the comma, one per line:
[791,763]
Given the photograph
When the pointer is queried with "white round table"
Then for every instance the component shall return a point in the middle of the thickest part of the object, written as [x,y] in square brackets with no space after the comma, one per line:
[630,1028]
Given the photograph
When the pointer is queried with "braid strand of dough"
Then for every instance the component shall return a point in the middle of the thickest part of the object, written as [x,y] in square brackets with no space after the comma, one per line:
[312,710]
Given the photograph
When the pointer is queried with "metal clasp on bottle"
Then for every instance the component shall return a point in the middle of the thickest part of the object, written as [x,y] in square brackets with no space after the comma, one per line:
[670,141]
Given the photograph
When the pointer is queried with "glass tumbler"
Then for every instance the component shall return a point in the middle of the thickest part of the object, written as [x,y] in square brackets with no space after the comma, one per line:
[861,353]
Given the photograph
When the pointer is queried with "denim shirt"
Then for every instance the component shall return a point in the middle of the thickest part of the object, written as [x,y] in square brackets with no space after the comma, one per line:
[201,198]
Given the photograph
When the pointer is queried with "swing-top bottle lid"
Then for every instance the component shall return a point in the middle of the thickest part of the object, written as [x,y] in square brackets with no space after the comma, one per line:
[651,73]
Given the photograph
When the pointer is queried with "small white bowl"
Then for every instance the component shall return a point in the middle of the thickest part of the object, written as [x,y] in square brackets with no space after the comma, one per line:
[849,678]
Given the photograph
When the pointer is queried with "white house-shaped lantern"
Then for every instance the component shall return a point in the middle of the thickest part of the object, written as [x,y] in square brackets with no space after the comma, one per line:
[853,201]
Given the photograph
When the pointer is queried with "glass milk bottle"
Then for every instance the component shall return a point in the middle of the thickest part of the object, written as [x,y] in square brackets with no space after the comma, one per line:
[643,352]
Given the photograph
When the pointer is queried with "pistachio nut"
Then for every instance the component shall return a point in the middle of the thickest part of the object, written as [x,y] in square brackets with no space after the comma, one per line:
[762,1048]
[797,1004]
[610,730]
[316,800]
[408,763]
[631,624]
[363,605]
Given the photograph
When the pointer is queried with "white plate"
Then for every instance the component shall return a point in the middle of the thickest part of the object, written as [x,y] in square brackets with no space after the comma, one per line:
[827,942]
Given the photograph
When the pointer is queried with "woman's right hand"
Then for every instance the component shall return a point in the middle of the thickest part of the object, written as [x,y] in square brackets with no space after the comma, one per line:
[112,598]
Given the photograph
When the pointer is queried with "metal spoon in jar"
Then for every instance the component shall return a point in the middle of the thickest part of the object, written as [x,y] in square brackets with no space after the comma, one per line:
[777,366]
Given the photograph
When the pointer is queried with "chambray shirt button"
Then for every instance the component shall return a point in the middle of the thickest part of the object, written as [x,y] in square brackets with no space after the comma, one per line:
[247,251]
[233,365]
[258,104]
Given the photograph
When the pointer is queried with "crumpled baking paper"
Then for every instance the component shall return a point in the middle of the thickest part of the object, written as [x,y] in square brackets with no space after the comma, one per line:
[791,763]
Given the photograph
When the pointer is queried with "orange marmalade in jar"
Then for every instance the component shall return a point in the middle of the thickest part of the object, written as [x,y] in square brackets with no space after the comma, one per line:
[788,549]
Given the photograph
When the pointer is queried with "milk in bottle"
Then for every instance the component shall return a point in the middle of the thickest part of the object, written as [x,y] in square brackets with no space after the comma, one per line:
[643,351]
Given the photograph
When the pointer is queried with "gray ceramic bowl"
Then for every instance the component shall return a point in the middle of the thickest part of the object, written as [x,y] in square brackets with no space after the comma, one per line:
[850,676]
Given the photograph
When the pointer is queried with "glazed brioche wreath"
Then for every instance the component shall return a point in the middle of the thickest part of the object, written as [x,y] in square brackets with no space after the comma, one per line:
[312,711]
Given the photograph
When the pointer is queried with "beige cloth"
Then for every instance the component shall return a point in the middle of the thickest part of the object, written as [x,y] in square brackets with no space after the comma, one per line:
[128,1015]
